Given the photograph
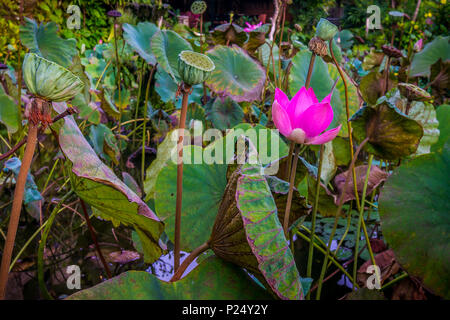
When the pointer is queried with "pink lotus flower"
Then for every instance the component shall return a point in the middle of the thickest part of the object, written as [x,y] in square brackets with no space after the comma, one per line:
[418,45]
[303,119]
[252,27]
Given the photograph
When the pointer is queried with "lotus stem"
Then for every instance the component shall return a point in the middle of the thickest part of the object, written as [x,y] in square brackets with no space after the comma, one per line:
[94,239]
[118,73]
[17,206]
[349,125]
[138,100]
[186,89]
[187,262]
[144,127]
[313,218]
[338,213]
[361,222]
[291,191]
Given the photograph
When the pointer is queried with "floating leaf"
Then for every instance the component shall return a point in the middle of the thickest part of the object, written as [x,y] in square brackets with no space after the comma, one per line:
[98,185]
[225,113]
[166,46]
[199,205]
[248,232]
[392,135]
[139,37]
[414,211]
[213,279]
[236,74]
[43,40]
[439,48]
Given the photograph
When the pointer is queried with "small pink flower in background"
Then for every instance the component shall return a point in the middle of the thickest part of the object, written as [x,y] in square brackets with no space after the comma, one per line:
[251,27]
[303,119]
[100,41]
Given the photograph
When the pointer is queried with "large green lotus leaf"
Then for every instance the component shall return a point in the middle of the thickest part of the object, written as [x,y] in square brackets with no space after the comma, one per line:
[392,134]
[263,138]
[322,83]
[97,184]
[166,46]
[225,113]
[439,48]
[44,41]
[167,88]
[236,74]
[443,116]
[414,211]
[164,154]
[203,186]
[265,234]
[9,112]
[139,37]
[213,279]
[49,80]
[371,87]
[229,33]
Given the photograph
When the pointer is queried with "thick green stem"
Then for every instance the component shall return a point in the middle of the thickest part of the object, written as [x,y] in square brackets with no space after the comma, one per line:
[16,207]
[291,191]
[313,219]
[186,91]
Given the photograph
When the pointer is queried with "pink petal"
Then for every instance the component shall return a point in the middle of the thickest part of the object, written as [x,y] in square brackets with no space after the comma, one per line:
[312,95]
[324,137]
[299,103]
[327,99]
[281,119]
[315,119]
[281,98]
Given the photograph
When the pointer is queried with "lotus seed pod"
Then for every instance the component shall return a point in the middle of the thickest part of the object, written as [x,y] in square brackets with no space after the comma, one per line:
[198,7]
[413,92]
[48,80]
[318,47]
[326,30]
[391,51]
[193,67]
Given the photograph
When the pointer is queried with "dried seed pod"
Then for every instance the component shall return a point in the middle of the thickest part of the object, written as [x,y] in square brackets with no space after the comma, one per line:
[198,7]
[318,46]
[193,67]
[413,93]
[392,51]
[48,80]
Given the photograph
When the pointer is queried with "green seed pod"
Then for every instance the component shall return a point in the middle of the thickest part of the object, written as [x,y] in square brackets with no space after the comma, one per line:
[193,67]
[48,80]
[413,93]
[326,30]
[198,7]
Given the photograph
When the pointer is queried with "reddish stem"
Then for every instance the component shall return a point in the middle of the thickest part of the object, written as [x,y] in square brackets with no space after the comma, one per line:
[186,262]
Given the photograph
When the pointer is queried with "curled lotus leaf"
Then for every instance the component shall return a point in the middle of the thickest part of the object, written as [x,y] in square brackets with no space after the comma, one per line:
[229,33]
[49,80]
[236,74]
[391,134]
[139,38]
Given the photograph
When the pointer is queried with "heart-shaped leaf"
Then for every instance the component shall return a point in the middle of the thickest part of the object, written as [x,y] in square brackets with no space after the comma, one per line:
[139,37]
[97,184]
[225,113]
[9,112]
[213,279]
[166,46]
[43,40]
[236,74]
[392,134]
[414,215]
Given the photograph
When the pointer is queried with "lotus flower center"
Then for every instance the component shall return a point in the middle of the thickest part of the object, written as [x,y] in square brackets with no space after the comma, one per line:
[298,135]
